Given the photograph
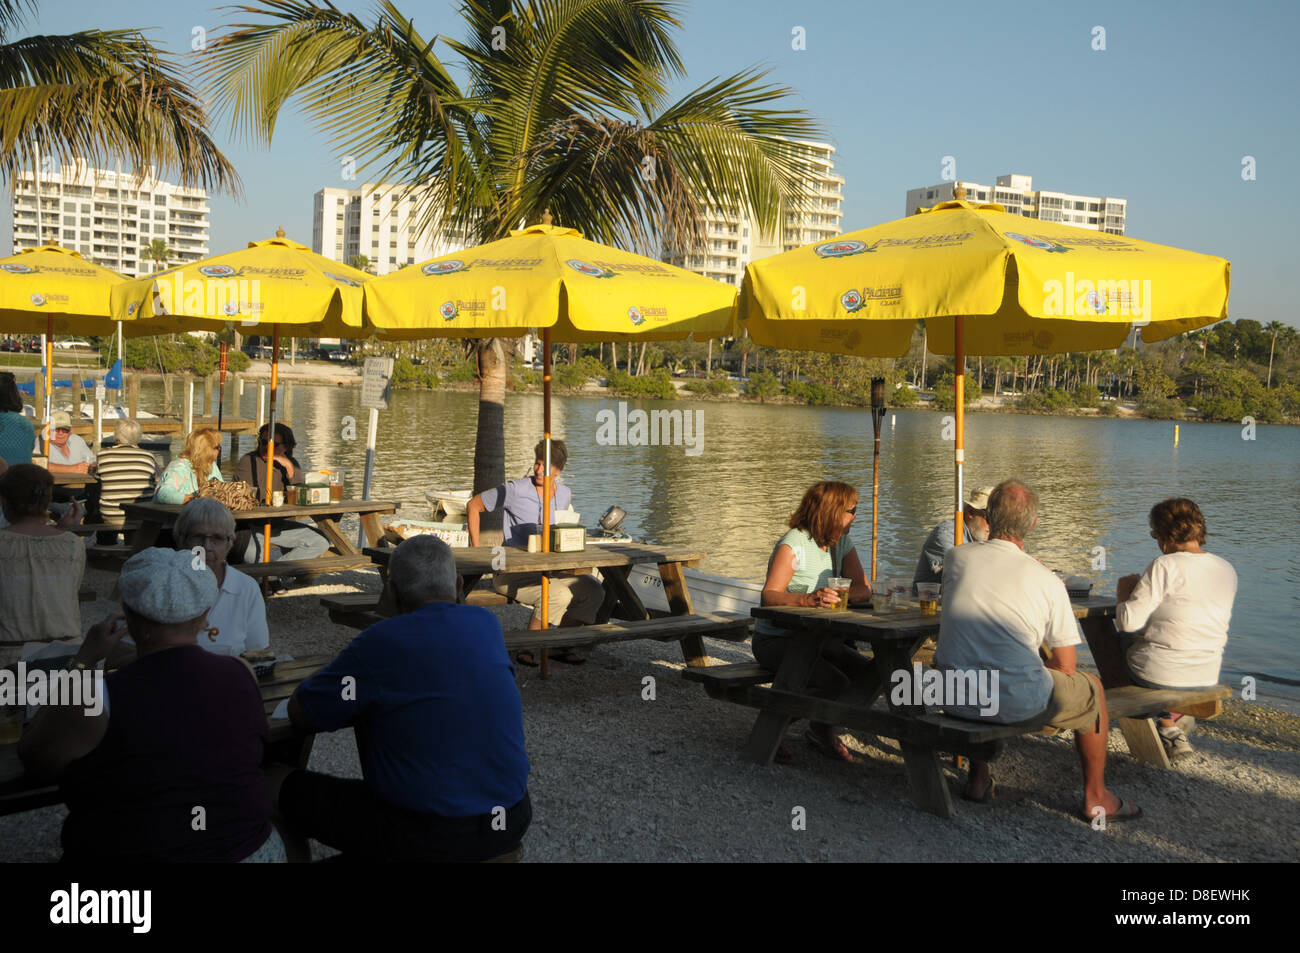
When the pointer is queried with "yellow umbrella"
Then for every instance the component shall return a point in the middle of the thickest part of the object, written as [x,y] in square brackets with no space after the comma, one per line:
[551,278]
[986,282]
[277,282]
[51,290]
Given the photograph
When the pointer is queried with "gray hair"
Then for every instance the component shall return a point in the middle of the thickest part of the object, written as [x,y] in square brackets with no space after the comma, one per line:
[1013,508]
[422,570]
[127,432]
[202,511]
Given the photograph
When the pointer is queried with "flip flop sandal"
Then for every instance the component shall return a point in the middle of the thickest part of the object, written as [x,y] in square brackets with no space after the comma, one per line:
[783,755]
[527,658]
[836,751]
[1123,814]
[569,657]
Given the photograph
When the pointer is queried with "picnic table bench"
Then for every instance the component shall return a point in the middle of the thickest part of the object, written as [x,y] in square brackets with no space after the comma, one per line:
[923,734]
[621,603]
[19,791]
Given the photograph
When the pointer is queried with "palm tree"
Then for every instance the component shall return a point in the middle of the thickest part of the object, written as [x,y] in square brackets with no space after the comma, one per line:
[100,95]
[565,108]
[158,253]
[1275,327]
[361,263]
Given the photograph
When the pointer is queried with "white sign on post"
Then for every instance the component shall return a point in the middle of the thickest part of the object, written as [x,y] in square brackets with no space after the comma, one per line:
[376,377]
[101,392]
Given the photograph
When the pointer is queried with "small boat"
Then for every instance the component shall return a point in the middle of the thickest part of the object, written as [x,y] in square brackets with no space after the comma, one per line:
[708,593]
[453,503]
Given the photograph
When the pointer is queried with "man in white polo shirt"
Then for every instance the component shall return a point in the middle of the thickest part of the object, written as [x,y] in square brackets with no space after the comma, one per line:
[1000,605]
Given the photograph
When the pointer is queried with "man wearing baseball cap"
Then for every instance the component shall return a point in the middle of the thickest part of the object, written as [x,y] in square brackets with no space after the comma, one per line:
[929,568]
[180,729]
[68,452]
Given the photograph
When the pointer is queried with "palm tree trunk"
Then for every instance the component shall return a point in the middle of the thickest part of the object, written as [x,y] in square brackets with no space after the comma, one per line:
[629,357]
[640,361]
[490,440]
[1269,383]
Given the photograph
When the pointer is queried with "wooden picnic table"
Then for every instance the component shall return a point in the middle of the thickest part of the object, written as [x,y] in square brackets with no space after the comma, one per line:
[615,562]
[74,479]
[285,743]
[894,637]
[155,517]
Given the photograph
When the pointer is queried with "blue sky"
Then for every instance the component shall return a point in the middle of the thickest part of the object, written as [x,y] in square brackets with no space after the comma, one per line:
[1163,116]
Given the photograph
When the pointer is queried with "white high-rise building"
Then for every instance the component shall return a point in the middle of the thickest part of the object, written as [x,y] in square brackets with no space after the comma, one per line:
[733,240]
[111,217]
[378,221]
[1105,213]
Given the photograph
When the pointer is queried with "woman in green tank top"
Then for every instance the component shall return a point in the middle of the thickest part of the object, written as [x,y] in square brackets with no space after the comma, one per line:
[817,547]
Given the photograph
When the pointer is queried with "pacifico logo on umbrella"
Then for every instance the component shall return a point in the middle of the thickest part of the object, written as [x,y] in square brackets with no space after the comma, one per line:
[16,269]
[38,299]
[448,267]
[351,283]
[448,310]
[635,316]
[592,271]
[842,249]
[1042,244]
[852,300]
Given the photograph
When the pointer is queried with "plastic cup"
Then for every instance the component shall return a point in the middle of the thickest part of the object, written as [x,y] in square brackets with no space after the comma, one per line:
[927,594]
[841,587]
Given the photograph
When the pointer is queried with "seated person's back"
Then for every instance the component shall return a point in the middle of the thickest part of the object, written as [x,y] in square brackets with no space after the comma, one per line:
[186,730]
[438,716]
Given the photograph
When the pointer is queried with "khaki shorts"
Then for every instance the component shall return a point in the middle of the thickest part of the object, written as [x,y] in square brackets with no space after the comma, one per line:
[579,597]
[1075,704]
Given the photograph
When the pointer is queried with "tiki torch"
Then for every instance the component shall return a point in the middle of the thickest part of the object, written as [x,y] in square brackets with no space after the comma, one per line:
[877,418]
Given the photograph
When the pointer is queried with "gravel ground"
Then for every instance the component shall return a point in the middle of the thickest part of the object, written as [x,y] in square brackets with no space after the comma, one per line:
[617,777]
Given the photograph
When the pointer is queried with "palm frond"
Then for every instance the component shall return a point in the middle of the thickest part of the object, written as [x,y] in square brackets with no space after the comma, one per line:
[13,13]
[104,94]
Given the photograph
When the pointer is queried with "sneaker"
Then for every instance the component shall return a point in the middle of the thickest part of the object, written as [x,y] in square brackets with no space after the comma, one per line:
[1175,742]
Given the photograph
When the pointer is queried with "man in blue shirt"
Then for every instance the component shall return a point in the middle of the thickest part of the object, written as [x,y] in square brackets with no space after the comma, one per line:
[439,723]
[975,529]
[574,600]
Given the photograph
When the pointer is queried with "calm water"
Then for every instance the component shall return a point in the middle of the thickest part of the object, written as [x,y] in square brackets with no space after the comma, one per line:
[1096,478]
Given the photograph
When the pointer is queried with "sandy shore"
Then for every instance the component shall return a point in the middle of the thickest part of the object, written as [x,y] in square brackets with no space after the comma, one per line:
[619,778]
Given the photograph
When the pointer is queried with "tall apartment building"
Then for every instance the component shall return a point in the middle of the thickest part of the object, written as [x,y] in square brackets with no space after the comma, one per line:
[1105,213]
[733,240]
[377,220]
[110,217]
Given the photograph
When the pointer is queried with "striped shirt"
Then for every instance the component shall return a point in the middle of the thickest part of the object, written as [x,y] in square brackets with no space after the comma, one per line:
[126,475]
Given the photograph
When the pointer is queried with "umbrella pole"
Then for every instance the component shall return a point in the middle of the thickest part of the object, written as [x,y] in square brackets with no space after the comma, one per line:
[877,417]
[270,438]
[49,380]
[959,448]
[546,490]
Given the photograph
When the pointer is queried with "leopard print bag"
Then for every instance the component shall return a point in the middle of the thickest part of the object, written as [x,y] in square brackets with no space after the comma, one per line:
[235,494]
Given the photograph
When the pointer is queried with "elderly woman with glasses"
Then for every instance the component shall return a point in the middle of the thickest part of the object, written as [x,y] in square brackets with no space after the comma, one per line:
[237,620]
[816,548]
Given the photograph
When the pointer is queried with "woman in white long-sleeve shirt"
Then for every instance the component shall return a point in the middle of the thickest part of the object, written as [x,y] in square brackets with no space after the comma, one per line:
[1179,609]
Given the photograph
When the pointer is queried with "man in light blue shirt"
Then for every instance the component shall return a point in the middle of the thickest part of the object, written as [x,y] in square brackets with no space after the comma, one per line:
[574,600]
